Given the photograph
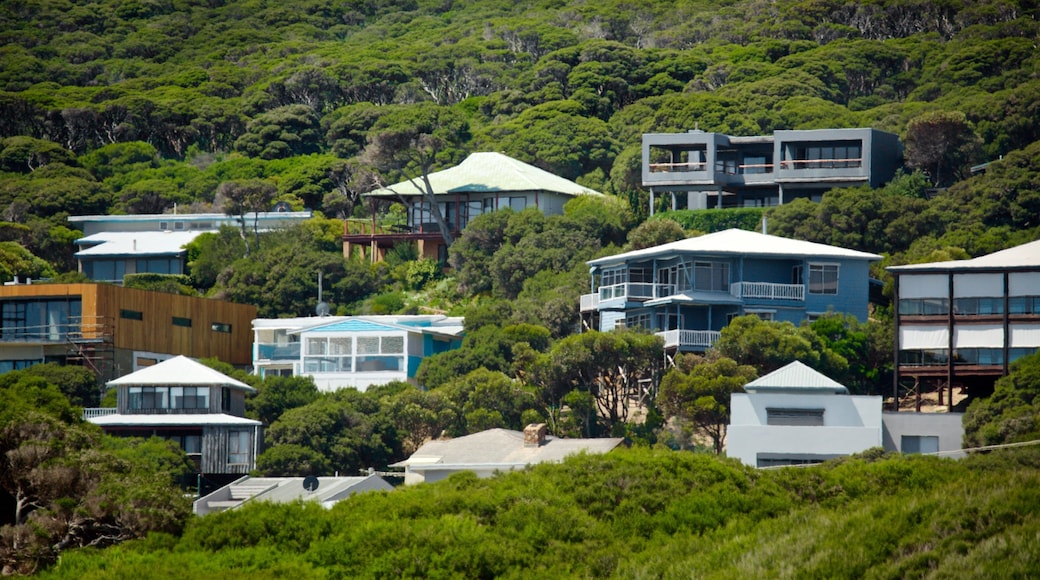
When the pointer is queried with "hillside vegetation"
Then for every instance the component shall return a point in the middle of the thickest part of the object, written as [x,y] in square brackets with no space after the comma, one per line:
[630,514]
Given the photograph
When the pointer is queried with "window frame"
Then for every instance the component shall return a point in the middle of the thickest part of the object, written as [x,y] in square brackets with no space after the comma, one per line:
[822,287]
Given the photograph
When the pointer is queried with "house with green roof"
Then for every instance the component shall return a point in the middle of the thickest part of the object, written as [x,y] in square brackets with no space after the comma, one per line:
[484,182]
[351,351]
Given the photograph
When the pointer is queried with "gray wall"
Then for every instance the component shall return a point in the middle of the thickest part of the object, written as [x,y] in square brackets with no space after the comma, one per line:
[947,426]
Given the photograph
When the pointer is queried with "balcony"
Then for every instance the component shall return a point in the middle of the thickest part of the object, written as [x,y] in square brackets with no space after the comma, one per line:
[278,351]
[768,291]
[689,339]
[635,291]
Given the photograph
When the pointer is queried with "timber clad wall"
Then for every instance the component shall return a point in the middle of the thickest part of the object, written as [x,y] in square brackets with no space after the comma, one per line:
[142,320]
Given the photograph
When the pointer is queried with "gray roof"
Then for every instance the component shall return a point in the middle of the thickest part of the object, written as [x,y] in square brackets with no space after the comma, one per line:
[179,370]
[736,242]
[500,448]
[489,173]
[1026,256]
[796,378]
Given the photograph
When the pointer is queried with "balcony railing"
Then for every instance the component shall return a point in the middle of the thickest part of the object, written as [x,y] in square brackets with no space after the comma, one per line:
[275,351]
[689,338]
[589,302]
[635,291]
[76,329]
[92,412]
[678,167]
[768,291]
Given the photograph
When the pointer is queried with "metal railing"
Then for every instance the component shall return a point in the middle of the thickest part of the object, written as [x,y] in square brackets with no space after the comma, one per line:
[768,290]
[635,290]
[278,351]
[92,412]
[76,329]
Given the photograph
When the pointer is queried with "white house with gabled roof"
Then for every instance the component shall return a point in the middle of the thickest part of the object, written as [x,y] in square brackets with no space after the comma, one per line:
[796,415]
[199,408]
[688,290]
[484,182]
[351,351]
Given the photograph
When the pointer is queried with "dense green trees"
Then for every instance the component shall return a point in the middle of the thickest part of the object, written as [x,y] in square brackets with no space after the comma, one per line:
[1010,414]
[630,513]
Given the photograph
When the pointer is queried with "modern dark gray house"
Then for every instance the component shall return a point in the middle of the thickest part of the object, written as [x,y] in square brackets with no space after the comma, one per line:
[714,170]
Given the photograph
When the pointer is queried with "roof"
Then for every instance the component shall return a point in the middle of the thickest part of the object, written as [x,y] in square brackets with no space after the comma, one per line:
[135,243]
[1025,256]
[796,378]
[736,242]
[451,326]
[499,448]
[179,370]
[188,217]
[489,172]
[175,420]
[289,489]
[434,323]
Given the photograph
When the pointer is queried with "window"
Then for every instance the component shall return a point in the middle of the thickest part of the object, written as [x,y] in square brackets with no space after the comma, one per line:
[131,314]
[711,276]
[637,321]
[221,327]
[823,278]
[1024,305]
[924,307]
[978,356]
[517,203]
[190,397]
[919,444]
[929,357]
[165,398]
[40,319]
[978,306]
[347,354]
[225,399]
[798,274]
[179,321]
[795,417]
[766,315]
[238,447]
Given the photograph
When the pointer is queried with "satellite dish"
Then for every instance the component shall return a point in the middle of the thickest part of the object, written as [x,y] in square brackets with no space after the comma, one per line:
[322,309]
[310,483]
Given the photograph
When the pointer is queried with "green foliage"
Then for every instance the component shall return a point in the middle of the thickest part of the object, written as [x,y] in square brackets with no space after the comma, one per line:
[702,396]
[715,220]
[1010,415]
[770,345]
[169,283]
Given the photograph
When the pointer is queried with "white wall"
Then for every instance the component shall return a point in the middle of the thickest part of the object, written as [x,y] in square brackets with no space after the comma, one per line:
[851,424]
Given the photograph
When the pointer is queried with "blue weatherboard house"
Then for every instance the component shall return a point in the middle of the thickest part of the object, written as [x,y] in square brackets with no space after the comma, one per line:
[351,351]
[687,291]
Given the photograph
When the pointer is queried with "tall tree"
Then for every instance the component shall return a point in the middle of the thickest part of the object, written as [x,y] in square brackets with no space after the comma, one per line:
[410,142]
[941,143]
[242,197]
[701,396]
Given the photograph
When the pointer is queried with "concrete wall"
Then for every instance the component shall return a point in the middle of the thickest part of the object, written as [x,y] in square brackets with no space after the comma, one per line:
[851,424]
[947,426]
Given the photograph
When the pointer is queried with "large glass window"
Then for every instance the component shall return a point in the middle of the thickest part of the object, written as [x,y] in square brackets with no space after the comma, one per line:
[711,276]
[929,357]
[172,397]
[978,306]
[40,319]
[924,307]
[349,354]
[823,278]
[1024,305]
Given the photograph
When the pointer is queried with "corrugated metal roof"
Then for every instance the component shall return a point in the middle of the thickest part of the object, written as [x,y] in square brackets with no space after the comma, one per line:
[796,378]
[179,370]
[1019,257]
[489,172]
[735,242]
[500,448]
[135,243]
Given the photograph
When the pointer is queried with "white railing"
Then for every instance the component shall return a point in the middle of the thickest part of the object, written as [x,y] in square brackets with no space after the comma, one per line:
[589,302]
[689,338]
[768,290]
[91,412]
[635,290]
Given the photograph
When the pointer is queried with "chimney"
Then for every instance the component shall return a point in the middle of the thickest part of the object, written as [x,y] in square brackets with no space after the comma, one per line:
[534,434]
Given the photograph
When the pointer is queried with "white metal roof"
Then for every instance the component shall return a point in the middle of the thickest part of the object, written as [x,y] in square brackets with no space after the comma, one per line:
[173,420]
[736,242]
[490,172]
[179,370]
[499,448]
[1019,257]
[135,243]
[425,323]
[796,378]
